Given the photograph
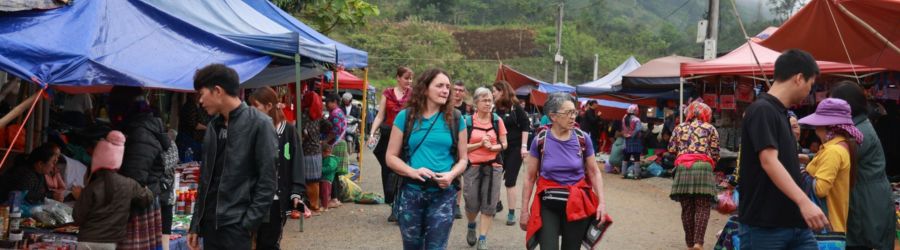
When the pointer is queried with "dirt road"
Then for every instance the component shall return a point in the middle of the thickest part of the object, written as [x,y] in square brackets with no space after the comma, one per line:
[644,218]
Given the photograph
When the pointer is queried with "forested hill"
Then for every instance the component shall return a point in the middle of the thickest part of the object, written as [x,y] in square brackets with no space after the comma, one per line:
[470,37]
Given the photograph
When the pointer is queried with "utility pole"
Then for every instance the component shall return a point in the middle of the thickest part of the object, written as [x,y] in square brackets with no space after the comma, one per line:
[558,58]
[566,77]
[709,48]
[596,59]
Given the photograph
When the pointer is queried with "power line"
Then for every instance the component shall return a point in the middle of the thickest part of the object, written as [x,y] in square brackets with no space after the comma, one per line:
[677,9]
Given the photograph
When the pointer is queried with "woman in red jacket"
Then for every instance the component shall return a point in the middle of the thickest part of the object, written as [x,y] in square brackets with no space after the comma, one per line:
[569,186]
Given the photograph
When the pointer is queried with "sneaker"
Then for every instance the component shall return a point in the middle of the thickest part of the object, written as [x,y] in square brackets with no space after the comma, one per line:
[510,219]
[499,206]
[470,237]
[482,244]
[457,214]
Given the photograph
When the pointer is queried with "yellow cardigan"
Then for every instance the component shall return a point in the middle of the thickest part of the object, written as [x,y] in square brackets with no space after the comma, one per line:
[831,168]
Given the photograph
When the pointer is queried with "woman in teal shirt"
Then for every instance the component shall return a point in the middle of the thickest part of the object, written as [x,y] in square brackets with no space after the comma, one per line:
[427,194]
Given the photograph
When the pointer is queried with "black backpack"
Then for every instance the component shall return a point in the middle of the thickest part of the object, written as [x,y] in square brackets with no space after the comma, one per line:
[495,123]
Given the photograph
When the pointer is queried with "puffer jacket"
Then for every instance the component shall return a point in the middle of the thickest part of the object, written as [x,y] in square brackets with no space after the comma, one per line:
[104,207]
[145,143]
[247,184]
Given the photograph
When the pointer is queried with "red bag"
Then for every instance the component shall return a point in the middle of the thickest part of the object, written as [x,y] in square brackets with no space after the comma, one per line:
[11,131]
[727,102]
[711,100]
[745,93]
[726,203]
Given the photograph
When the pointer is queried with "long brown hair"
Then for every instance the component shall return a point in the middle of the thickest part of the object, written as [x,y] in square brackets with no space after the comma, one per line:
[402,70]
[418,99]
[507,97]
[267,96]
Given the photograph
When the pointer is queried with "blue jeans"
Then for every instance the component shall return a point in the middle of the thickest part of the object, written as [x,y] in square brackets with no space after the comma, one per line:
[425,217]
[777,238]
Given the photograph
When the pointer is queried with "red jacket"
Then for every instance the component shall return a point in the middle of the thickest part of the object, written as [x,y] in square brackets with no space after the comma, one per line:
[582,204]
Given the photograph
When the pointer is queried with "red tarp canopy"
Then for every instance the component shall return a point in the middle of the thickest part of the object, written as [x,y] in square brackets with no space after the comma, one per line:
[345,81]
[740,61]
[515,78]
[539,98]
[813,29]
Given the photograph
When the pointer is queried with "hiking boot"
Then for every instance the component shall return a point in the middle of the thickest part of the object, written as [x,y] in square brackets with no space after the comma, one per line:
[510,219]
[470,237]
[457,214]
[482,244]
[499,206]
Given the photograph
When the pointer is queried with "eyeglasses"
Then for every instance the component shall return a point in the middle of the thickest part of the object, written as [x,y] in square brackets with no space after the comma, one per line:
[570,113]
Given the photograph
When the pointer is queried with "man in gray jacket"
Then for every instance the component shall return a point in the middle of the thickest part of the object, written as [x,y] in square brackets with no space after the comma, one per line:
[237,178]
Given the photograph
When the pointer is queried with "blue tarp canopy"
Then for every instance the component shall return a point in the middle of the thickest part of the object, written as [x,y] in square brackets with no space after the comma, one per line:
[100,43]
[557,87]
[349,57]
[610,82]
[240,22]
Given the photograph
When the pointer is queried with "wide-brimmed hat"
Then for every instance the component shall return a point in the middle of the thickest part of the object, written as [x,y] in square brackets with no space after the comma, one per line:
[831,111]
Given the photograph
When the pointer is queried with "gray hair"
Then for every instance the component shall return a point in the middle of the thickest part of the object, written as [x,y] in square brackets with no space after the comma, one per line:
[555,101]
[481,92]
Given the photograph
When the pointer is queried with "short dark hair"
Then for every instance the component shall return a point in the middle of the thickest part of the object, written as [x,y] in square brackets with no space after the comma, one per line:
[459,83]
[793,62]
[217,75]
[853,94]
[332,97]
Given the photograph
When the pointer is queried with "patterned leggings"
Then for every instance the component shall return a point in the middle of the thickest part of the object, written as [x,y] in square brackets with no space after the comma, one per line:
[425,217]
[694,217]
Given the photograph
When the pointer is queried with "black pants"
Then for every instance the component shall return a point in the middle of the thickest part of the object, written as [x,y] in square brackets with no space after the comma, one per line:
[388,177]
[226,237]
[167,214]
[268,237]
[553,216]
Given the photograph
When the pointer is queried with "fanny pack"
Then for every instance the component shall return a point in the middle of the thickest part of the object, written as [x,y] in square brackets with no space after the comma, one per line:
[555,194]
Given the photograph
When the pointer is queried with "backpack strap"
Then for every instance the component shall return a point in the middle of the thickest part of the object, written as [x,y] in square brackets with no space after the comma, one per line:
[469,126]
[541,138]
[454,134]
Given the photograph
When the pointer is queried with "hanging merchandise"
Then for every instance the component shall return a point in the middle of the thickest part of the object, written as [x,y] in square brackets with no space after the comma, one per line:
[726,97]
[711,99]
[744,92]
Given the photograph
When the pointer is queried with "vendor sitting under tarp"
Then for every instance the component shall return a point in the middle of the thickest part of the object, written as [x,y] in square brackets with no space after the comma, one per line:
[28,175]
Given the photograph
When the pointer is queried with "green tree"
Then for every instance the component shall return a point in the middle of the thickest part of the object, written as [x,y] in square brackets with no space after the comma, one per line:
[326,15]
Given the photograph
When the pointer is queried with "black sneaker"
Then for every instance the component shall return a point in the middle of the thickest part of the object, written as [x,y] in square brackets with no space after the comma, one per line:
[499,206]
[393,216]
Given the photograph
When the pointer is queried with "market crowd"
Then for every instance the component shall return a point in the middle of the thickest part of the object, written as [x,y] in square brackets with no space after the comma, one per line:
[444,159]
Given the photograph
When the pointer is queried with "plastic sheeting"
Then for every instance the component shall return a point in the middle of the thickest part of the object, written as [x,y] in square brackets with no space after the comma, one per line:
[100,43]
[610,82]
[240,22]
[515,78]
[347,56]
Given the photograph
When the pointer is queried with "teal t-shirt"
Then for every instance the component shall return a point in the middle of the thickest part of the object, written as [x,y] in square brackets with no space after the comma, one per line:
[434,153]
[545,120]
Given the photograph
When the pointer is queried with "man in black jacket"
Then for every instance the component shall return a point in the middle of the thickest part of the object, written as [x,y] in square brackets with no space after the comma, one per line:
[237,178]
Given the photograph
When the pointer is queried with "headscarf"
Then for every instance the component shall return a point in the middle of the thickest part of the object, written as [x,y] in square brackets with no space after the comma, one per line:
[700,111]
[629,125]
